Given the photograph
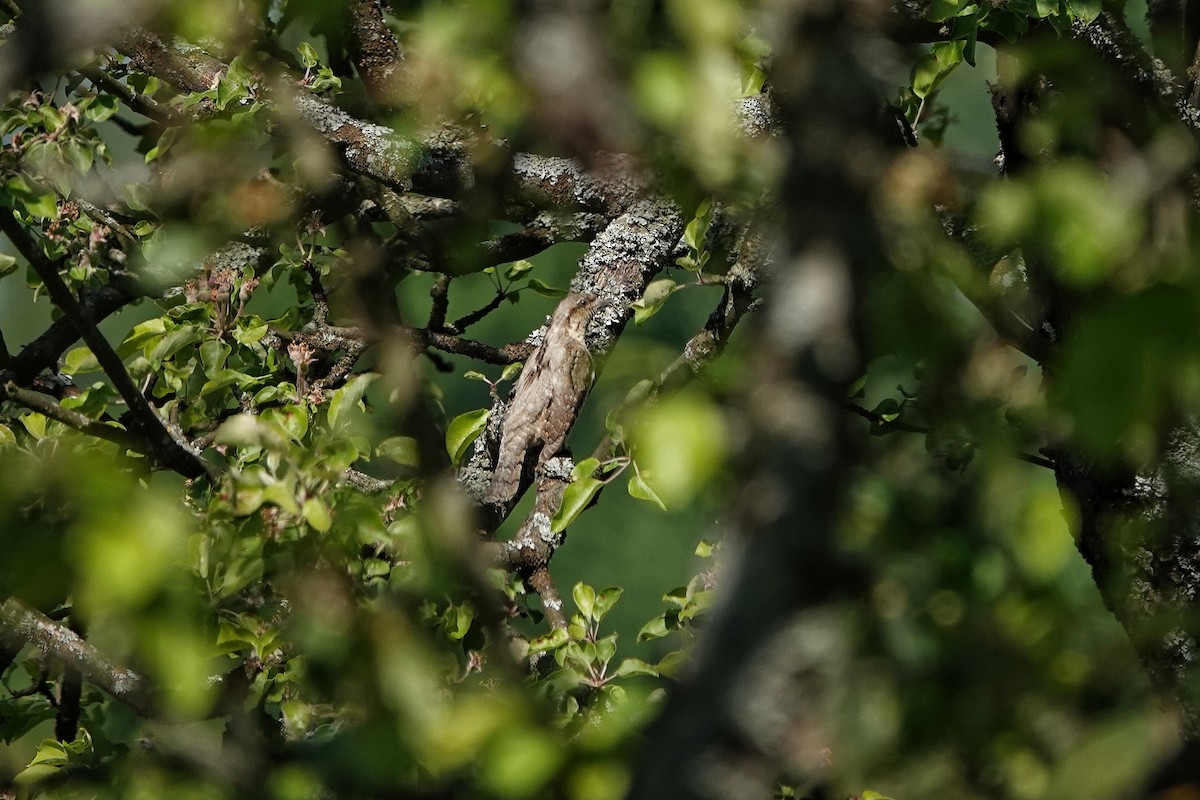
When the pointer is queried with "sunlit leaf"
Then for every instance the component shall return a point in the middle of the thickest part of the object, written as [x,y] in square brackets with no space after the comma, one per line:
[463,430]
[577,496]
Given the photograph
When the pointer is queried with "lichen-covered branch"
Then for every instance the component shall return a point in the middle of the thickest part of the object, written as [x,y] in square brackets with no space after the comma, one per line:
[1121,49]
[21,625]
[377,53]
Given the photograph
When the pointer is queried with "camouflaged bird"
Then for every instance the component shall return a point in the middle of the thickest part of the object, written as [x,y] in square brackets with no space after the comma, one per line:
[546,398]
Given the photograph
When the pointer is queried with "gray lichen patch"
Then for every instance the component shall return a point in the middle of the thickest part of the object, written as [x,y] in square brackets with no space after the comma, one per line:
[370,149]
[565,183]
[629,251]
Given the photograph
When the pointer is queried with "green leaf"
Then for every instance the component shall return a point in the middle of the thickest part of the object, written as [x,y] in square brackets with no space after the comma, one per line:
[550,641]
[291,419]
[635,666]
[308,55]
[966,28]
[282,495]
[1008,23]
[35,773]
[239,73]
[888,410]
[472,375]
[457,620]
[35,424]
[544,289]
[704,549]
[229,91]
[44,206]
[401,449]
[518,269]
[49,751]
[585,599]
[606,600]
[78,155]
[933,67]
[1085,10]
[250,331]
[511,370]
[575,499]
[655,629]
[101,108]
[142,333]
[463,430]
[245,430]
[676,597]
[605,648]
[167,139]
[697,228]
[942,10]
[585,469]
[8,264]
[349,396]
[223,379]
[80,360]
[171,343]
[638,488]
[213,353]
[654,298]
[316,514]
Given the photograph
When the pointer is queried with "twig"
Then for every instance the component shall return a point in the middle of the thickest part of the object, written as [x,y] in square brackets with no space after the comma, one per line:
[439,297]
[467,320]
[438,164]
[540,581]
[877,419]
[320,298]
[365,483]
[458,345]
[104,215]
[140,103]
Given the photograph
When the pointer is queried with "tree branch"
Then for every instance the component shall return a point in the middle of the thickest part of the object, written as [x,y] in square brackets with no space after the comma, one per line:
[36,401]
[140,103]
[377,53]
[163,447]
[21,625]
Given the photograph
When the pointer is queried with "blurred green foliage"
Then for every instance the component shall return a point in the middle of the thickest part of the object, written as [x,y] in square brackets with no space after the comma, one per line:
[307,639]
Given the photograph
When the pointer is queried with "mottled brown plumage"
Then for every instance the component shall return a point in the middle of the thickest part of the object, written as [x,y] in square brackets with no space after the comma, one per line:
[546,399]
